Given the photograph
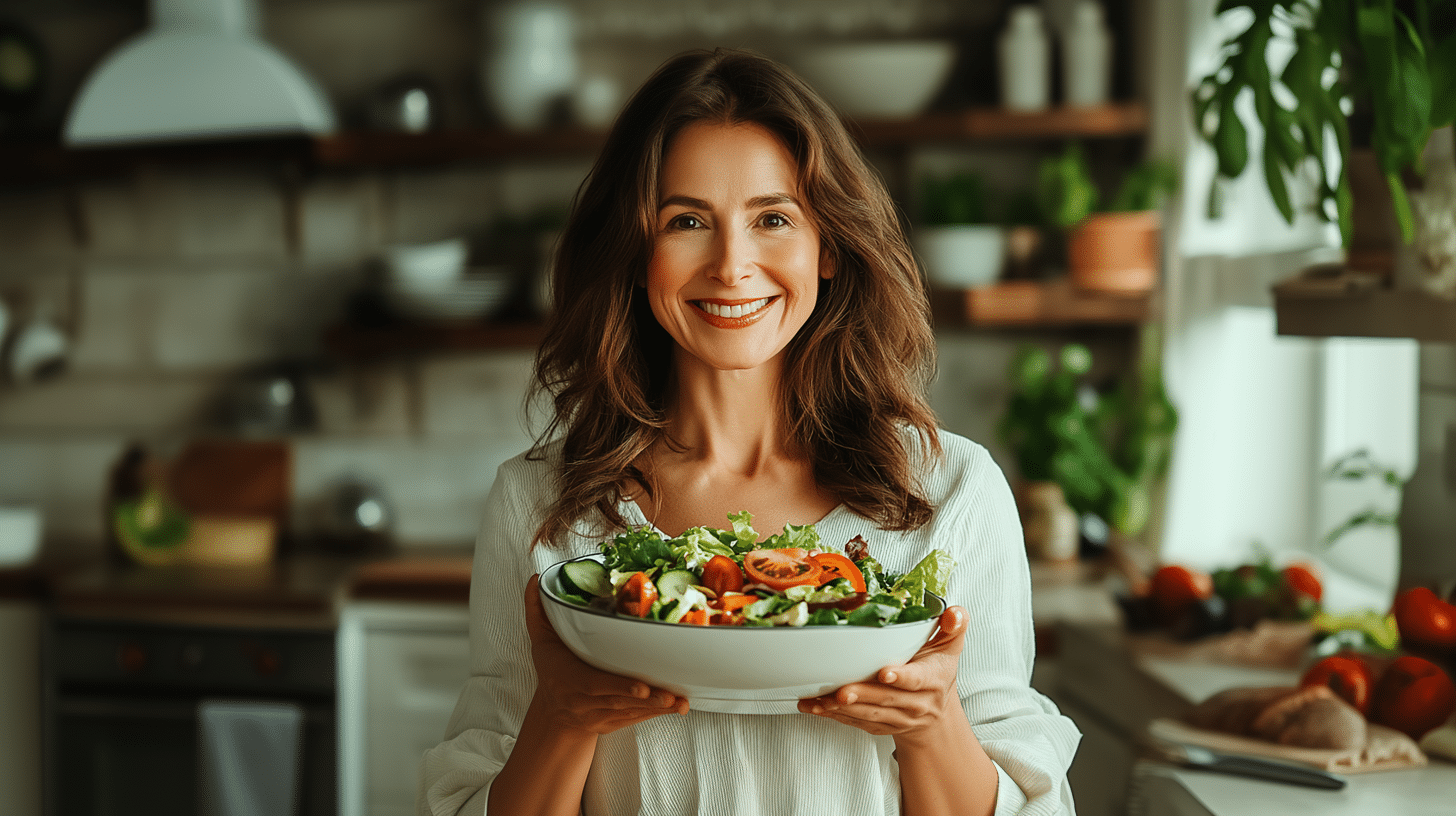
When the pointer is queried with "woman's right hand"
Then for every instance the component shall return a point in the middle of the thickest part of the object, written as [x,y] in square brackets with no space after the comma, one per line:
[580,697]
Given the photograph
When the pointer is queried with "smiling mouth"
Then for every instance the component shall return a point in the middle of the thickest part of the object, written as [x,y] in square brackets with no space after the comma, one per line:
[733,310]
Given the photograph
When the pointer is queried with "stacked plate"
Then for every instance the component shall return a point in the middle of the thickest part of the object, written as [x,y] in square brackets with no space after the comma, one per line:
[475,294]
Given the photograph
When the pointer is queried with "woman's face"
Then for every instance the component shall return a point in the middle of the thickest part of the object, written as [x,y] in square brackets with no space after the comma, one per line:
[735,262]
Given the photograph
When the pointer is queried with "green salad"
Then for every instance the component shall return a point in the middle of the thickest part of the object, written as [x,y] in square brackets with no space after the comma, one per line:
[727,577]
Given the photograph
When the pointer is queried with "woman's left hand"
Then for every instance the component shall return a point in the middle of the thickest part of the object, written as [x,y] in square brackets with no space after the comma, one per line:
[904,699]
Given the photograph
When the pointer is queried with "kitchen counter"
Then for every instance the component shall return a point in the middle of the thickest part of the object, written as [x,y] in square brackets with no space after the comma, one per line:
[302,590]
[1124,690]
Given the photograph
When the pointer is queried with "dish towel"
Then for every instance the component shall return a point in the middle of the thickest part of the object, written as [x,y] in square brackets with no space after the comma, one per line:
[1385,749]
[249,757]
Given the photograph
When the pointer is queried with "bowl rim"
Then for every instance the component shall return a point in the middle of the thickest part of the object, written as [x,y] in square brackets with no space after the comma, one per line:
[550,594]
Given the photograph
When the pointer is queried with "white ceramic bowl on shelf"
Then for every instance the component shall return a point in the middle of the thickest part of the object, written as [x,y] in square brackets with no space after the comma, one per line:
[430,262]
[733,669]
[891,79]
[475,294]
[961,256]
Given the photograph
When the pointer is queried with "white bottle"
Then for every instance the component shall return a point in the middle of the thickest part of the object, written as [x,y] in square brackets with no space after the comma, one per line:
[1086,56]
[1025,61]
[531,62]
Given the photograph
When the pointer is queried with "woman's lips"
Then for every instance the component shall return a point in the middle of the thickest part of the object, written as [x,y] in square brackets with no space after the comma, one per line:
[733,314]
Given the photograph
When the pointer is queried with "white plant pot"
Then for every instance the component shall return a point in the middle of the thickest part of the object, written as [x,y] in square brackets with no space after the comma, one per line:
[961,256]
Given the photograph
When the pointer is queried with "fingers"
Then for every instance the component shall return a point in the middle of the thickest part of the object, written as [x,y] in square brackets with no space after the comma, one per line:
[953,623]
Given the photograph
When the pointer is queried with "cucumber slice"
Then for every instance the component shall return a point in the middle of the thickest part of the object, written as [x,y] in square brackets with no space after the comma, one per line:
[586,577]
[675,583]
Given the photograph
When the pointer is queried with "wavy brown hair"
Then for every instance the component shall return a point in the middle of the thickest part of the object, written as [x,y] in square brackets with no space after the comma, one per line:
[857,372]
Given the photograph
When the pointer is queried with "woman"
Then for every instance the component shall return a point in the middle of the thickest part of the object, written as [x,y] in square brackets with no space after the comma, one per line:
[739,325]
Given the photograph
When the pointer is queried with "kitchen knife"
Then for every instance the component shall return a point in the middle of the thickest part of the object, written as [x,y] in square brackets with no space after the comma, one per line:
[1256,767]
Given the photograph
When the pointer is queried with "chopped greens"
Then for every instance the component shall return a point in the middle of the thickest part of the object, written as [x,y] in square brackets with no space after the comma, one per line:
[813,593]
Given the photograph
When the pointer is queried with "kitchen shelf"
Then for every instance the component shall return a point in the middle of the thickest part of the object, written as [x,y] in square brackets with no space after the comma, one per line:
[403,338]
[43,161]
[1334,301]
[1040,304]
[991,124]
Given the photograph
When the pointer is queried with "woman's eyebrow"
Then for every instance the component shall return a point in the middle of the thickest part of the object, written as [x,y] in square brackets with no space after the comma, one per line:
[767,200]
[684,201]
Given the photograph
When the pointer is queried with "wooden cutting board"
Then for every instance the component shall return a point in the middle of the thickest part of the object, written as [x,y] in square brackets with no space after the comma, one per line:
[234,479]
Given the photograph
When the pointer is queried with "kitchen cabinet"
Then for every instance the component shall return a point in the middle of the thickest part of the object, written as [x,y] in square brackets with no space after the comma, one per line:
[401,669]
[20,702]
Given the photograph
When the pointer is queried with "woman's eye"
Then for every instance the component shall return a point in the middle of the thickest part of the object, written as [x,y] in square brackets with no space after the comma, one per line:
[774,221]
[685,222]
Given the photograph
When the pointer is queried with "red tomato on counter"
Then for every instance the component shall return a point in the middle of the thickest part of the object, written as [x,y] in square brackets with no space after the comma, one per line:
[1304,579]
[1346,675]
[1175,586]
[1413,695]
[1424,619]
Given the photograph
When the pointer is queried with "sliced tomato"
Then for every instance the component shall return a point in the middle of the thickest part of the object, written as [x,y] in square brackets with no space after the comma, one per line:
[696,617]
[782,568]
[635,597]
[722,574]
[834,565]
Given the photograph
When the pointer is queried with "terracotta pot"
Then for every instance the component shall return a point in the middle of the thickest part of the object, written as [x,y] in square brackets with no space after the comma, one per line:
[1116,252]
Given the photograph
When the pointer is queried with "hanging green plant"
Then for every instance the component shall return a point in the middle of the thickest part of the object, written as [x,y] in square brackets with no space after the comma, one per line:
[1396,60]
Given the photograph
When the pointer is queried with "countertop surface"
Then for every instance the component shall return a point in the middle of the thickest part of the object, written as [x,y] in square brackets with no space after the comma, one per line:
[304,589]
[1130,689]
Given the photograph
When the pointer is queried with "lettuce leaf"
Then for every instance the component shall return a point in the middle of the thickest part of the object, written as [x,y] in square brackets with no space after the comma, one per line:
[931,573]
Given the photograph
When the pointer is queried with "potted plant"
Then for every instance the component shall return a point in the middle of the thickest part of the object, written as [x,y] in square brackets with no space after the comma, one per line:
[957,240]
[1354,65]
[1105,451]
[1113,250]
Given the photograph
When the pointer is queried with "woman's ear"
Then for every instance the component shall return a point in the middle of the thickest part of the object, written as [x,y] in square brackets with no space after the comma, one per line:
[826,265]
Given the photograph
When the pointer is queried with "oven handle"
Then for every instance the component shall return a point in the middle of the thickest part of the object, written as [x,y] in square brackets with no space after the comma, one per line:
[141,708]
[125,707]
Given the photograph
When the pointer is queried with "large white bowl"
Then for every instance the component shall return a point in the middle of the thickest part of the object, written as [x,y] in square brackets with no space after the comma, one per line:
[733,669]
[892,79]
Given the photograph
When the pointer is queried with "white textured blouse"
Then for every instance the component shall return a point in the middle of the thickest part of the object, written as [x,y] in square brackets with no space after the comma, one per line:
[768,765]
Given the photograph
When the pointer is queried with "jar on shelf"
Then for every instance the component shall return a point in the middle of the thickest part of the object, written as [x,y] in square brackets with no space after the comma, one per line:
[1024,59]
[1086,56]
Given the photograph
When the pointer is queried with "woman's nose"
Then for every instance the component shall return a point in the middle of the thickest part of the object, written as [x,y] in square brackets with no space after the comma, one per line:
[735,258]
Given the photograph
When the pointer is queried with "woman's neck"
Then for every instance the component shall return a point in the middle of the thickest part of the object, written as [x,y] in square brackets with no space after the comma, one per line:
[730,418]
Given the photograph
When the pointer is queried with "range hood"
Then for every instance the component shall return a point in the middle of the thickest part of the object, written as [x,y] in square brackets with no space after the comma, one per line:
[201,72]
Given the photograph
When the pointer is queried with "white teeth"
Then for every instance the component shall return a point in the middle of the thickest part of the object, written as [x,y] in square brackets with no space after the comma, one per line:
[718,310]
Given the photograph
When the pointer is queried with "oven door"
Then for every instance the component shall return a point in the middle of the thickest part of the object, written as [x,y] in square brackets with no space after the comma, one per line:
[124,754]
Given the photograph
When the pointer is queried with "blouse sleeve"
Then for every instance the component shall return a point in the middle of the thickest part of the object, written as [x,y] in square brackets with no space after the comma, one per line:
[1029,740]
[455,776]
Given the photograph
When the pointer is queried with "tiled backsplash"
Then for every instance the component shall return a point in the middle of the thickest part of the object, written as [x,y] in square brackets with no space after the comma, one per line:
[172,282]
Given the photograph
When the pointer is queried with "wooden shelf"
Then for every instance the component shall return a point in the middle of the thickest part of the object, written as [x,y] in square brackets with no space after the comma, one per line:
[386,149]
[1333,301]
[993,124]
[1036,304]
[405,338]
[43,161]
